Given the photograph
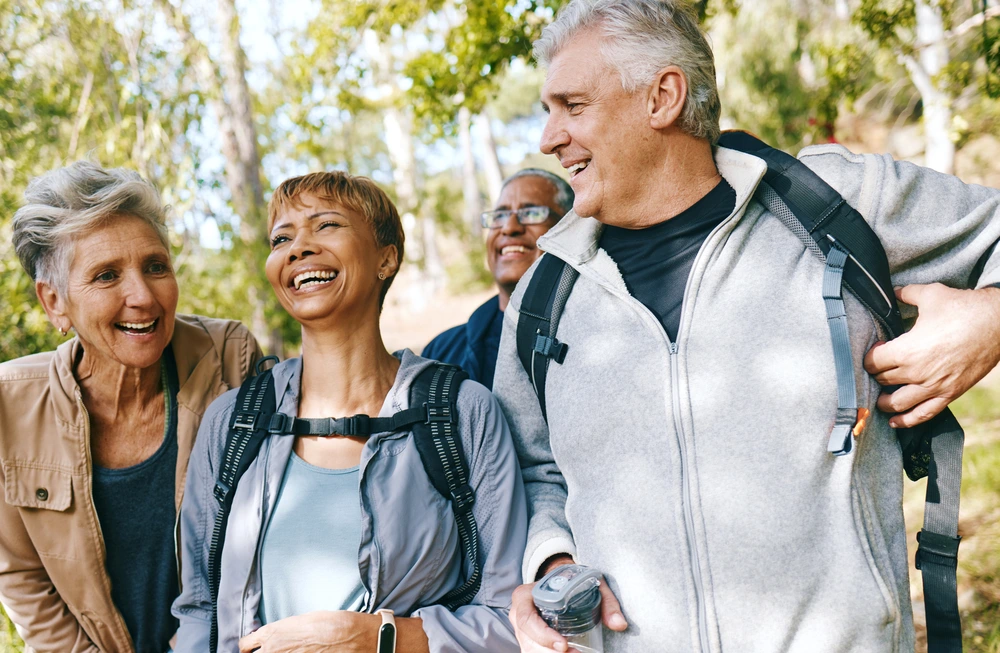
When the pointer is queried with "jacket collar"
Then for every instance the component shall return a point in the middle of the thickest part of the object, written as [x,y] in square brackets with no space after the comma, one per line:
[196,353]
[575,239]
[288,384]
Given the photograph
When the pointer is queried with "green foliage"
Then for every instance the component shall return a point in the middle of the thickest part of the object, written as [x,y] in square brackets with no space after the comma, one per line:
[885,21]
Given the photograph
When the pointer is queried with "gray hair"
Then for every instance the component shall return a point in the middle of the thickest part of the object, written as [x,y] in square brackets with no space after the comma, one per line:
[564,192]
[75,200]
[642,37]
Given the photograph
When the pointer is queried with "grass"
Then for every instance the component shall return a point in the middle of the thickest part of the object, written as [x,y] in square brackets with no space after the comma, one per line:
[979,555]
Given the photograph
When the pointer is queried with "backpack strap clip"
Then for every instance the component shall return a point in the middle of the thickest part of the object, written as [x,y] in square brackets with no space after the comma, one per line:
[220,491]
[358,425]
[462,499]
[246,420]
[938,549]
[440,411]
[549,347]
[280,424]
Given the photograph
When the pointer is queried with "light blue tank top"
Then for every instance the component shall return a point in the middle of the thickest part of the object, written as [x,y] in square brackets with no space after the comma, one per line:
[309,559]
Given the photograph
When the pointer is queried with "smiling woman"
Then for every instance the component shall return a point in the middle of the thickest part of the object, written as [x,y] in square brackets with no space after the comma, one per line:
[336,528]
[95,437]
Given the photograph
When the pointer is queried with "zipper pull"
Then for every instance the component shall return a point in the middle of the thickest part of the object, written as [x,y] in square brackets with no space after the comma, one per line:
[673,347]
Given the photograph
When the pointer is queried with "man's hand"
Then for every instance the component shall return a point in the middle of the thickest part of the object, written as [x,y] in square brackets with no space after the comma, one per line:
[534,635]
[315,632]
[954,343]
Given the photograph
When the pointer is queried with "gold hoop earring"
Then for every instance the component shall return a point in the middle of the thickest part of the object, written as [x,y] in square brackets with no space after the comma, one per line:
[381,276]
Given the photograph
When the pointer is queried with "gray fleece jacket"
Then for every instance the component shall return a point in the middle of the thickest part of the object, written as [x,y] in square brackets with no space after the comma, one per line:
[694,473]
[409,555]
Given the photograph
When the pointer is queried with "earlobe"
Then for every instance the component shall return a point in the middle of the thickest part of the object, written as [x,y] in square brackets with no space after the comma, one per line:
[390,262]
[52,303]
[667,96]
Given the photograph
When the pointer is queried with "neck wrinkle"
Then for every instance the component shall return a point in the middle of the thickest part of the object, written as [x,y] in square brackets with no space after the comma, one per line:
[116,388]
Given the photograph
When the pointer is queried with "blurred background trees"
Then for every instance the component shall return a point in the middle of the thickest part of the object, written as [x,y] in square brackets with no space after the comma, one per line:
[436,100]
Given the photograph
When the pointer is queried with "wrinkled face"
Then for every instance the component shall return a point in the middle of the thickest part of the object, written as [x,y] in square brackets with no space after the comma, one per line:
[121,294]
[510,248]
[600,134]
[324,262]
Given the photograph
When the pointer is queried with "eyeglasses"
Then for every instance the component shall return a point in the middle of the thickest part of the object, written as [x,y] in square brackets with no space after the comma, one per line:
[527,215]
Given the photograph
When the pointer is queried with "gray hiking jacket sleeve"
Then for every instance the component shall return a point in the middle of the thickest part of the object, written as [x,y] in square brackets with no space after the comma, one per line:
[934,227]
[394,483]
[544,486]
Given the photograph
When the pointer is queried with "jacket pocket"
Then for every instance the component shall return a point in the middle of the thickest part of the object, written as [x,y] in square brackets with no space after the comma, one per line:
[874,548]
[28,485]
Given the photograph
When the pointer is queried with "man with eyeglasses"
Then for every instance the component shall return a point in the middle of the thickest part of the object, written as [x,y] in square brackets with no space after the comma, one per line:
[531,202]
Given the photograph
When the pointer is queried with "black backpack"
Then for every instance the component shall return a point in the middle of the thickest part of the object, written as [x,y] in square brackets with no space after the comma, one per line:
[433,418]
[836,233]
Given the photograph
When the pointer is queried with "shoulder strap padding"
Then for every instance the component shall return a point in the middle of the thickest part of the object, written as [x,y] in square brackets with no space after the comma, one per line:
[439,443]
[538,320]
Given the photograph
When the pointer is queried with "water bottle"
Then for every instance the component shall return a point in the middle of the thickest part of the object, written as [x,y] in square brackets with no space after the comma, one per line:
[569,600]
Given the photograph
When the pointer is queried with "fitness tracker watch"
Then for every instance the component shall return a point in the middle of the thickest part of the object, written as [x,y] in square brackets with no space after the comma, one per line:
[387,632]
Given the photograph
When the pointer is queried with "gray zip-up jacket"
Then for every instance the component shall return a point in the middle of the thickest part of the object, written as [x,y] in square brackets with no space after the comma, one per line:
[409,554]
[694,473]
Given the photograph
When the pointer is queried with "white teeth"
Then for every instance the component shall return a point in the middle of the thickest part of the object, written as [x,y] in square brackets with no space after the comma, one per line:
[314,276]
[577,167]
[136,326]
[512,248]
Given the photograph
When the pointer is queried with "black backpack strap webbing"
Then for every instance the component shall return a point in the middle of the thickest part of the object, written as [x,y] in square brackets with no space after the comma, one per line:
[541,308]
[834,230]
[248,428]
[439,443]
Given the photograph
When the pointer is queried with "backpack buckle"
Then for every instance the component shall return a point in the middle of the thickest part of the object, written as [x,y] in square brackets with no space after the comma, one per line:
[246,420]
[447,412]
[937,549]
[463,498]
[550,348]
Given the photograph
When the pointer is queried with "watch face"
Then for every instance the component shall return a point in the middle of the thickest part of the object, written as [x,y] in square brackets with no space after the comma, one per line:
[386,638]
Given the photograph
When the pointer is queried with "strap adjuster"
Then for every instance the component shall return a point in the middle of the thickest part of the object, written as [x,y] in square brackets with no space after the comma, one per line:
[440,411]
[550,348]
[246,420]
[280,424]
[938,549]
[220,491]
[463,498]
[357,425]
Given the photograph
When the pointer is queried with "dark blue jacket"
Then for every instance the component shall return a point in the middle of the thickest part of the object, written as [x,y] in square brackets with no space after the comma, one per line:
[472,346]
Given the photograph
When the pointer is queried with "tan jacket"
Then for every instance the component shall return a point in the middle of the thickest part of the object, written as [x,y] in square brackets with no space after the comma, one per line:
[53,582]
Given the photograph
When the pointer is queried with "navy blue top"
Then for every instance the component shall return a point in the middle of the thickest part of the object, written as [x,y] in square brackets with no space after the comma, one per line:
[655,262]
[135,506]
[473,346]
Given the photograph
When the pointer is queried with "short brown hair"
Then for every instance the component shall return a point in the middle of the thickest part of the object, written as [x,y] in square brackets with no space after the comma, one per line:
[359,194]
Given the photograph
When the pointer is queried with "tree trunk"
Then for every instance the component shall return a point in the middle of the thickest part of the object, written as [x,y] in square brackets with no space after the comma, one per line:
[939,151]
[229,97]
[470,186]
[491,162]
[243,165]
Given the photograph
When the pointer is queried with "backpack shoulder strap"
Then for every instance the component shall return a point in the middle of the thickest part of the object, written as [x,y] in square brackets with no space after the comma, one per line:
[439,442]
[855,258]
[541,308]
[248,428]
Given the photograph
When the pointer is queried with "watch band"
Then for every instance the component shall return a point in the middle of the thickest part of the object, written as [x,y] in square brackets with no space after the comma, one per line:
[386,632]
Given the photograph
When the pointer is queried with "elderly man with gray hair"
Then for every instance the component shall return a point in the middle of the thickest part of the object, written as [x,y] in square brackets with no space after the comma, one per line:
[531,201]
[95,436]
[686,443]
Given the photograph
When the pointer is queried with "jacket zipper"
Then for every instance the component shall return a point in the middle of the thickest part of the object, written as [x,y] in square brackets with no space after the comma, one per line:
[371,598]
[105,581]
[675,409]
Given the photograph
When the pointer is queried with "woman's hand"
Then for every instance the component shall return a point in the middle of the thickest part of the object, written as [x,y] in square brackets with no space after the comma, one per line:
[316,632]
